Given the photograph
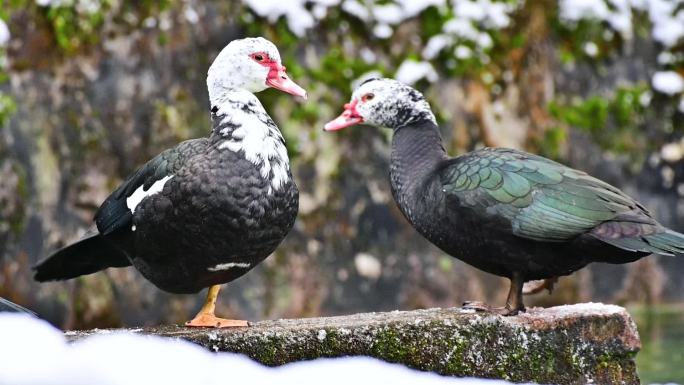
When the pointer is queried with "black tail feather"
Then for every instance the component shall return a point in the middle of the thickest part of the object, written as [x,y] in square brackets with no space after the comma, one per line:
[89,255]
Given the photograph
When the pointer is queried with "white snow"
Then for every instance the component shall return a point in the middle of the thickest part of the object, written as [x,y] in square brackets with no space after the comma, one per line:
[190,14]
[590,48]
[462,28]
[298,17]
[666,57]
[388,14]
[411,71]
[383,31]
[4,33]
[672,152]
[666,19]
[435,45]
[463,52]
[367,266]
[322,334]
[83,6]
[473,21]
[140,193]
[491,14]
[583,308]
[368,55]
[414,7]
[355,8]
[668,82]
[34,352]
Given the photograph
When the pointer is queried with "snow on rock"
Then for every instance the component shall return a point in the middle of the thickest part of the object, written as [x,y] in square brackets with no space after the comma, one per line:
[4,33]
[411,71]
[368,266]
[672,152]
[668,82]
[34,352]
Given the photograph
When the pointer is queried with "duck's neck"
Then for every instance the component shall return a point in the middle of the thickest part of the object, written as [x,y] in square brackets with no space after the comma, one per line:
[417,151]
[241,125]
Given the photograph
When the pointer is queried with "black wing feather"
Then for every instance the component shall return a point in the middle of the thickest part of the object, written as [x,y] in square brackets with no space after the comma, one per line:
[114,213]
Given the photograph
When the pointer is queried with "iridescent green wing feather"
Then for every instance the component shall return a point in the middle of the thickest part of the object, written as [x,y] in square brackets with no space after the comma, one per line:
[543,200]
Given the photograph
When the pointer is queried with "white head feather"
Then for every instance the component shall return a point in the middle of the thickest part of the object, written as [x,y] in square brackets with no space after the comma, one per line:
[234,70]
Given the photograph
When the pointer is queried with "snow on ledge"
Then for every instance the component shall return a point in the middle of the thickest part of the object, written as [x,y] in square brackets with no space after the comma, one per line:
[34,352]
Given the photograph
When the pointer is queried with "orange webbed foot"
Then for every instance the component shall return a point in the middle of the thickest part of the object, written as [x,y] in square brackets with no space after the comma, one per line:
[211,321]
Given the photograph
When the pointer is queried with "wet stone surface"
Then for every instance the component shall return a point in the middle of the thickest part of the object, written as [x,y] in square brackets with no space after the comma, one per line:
[583,343]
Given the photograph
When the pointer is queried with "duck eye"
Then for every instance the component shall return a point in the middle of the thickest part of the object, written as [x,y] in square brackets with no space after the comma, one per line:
[259,57]
[368,97]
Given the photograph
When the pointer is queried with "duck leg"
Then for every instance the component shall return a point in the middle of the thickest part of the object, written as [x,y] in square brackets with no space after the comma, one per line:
[514,303]
[537,287]
[206,317]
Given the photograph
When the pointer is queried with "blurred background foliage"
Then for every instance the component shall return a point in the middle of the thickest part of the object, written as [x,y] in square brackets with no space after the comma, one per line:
[91,89]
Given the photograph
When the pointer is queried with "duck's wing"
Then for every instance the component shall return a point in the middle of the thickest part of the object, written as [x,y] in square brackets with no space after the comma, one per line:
[117,210]
[546,201]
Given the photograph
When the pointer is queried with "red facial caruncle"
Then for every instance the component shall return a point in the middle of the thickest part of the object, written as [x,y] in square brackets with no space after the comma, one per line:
[350,116]
[277,77]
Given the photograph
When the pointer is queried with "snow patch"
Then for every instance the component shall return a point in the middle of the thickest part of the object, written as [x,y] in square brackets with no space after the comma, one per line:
[4,33]
[666,18]
[322,334]
[383,31]
[590,48]
[367,266]
[29,343]
[436,44]
[672,152]
[411,71]
[668,82]
[298,17]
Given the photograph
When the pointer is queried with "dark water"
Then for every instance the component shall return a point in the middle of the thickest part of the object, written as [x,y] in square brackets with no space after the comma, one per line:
[661,359]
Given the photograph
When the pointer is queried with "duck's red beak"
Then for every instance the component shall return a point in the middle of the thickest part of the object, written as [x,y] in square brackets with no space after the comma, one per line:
[278,79]
[348,118]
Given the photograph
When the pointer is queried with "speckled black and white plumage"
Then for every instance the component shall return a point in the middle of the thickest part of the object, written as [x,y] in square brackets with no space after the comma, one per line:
[206,211]
[504,211]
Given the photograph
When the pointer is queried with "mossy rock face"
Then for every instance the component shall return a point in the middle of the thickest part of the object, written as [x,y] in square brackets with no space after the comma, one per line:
[572,344]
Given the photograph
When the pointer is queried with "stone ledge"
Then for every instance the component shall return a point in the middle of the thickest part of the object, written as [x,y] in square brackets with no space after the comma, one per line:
[571,344]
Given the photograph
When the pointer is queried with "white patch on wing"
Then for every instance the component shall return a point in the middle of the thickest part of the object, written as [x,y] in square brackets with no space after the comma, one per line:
[138,195]
[230,265]
[260,142]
